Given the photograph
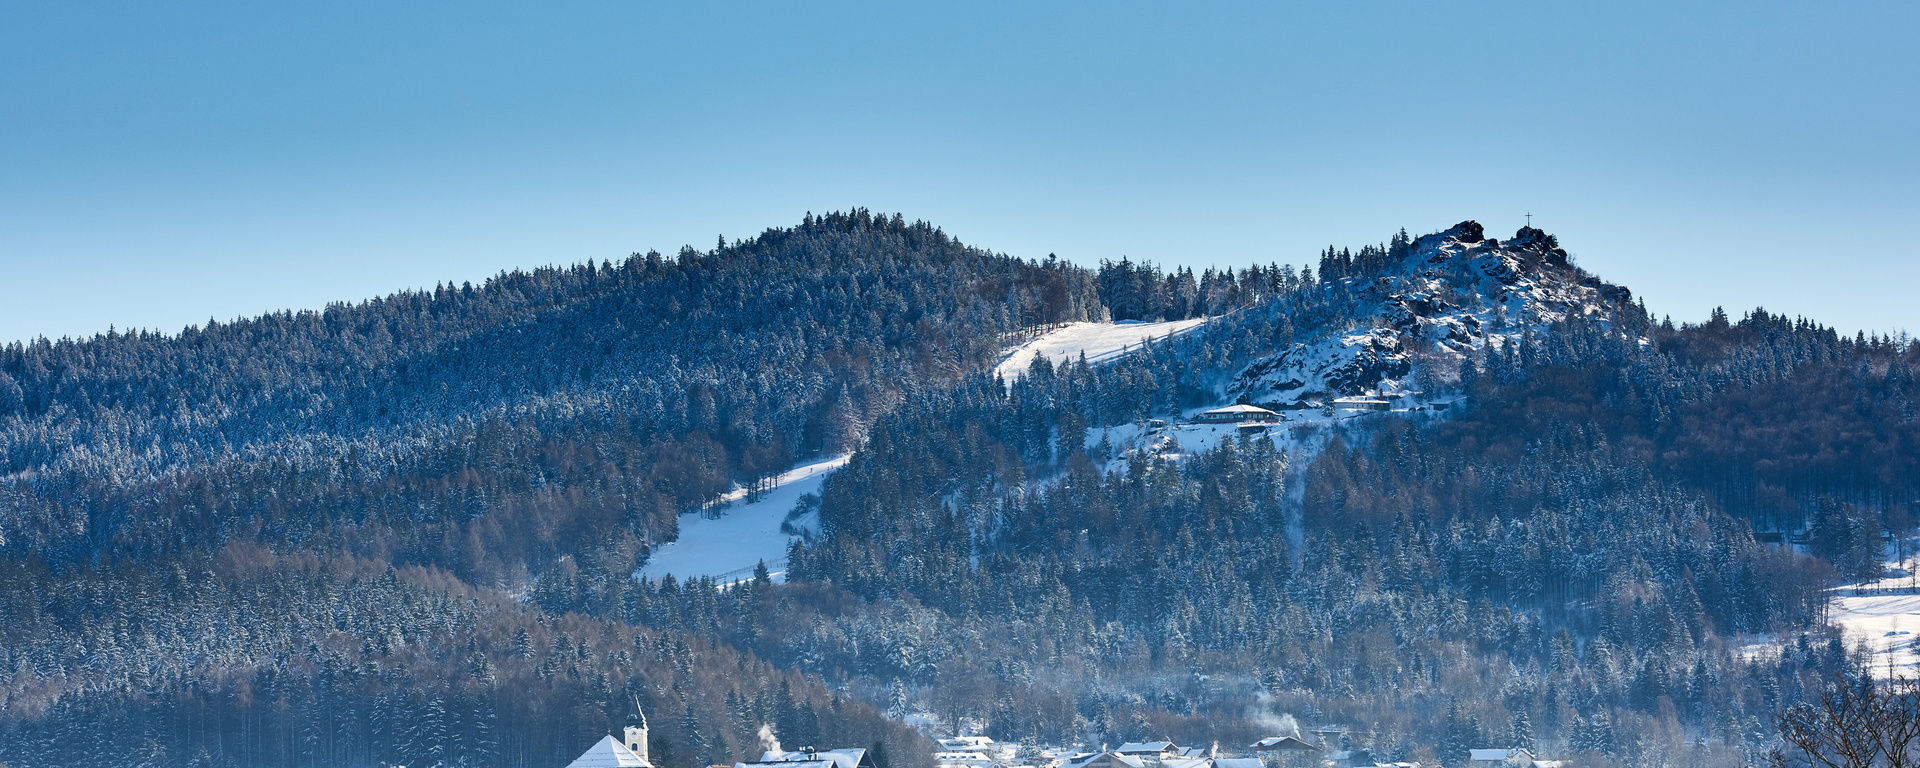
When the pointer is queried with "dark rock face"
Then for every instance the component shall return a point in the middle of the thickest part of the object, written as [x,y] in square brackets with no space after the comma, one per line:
[1530,236]
[1382,358]
[1537,242]
[1468,232]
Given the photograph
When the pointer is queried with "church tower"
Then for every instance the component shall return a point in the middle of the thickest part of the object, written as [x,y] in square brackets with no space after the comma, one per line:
[637,732]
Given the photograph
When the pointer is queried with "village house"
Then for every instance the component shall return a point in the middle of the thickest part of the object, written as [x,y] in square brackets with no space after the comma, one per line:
[1283,745]
[811,758]
[964,760]
[1150,749]
[1106,759]
[1499,758]
[980,744]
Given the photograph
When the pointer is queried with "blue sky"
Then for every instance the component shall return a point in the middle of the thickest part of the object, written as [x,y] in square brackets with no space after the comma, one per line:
[164,163]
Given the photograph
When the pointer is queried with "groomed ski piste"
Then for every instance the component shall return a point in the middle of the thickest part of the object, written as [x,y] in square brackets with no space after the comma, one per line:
[747,533]
[1100,342]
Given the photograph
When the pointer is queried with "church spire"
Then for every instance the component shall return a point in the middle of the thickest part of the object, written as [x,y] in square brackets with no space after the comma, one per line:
[636,731]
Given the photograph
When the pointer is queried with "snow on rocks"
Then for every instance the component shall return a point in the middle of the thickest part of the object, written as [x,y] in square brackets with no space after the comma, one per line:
[1454,293]
[1100,342]
[1347,365]
[729,547]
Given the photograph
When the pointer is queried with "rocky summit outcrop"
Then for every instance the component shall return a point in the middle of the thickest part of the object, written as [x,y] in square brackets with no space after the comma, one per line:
[1445,296]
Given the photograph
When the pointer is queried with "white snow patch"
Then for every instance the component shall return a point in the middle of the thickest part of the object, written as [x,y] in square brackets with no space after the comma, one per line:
[728,548]
[1884,613]
[1886,623]
[1100,342]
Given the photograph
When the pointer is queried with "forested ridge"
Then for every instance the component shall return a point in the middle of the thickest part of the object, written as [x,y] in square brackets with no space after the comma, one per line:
[405,530]
[490,429]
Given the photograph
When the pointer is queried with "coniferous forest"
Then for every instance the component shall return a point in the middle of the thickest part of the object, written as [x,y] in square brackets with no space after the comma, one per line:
[406,530]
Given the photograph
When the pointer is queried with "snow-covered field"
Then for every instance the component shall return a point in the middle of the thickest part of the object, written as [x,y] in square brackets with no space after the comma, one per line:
[1100,342]
[1887,623]
[1885,614]
[729,547]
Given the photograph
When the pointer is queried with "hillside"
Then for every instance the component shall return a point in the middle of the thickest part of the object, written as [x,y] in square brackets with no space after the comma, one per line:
[439,508]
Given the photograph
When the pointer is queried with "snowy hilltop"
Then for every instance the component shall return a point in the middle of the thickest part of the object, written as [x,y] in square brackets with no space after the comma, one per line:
[1426,304]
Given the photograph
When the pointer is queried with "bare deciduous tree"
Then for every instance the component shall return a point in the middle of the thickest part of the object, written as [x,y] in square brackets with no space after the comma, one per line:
[1855,723]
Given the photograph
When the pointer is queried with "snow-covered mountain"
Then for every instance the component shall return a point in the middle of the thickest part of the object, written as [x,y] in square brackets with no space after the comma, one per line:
[1442,296]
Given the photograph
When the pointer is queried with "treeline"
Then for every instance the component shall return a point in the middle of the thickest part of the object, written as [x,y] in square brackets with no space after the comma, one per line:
[1143,292]
[1781,422]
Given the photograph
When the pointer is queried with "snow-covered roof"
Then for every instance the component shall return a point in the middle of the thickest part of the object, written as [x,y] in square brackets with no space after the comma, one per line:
[607,753]
[1114,758]
[1283,742]
[1238,762]
[834,758]
[1240,408]
[966,741]
[1360,399]
[1494,755]
[1137,747]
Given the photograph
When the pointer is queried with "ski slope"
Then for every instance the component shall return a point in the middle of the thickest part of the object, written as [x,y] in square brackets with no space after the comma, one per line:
[1100,342]
[728,548]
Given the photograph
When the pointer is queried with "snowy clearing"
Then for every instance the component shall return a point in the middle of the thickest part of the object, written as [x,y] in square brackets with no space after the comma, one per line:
[1885,614]
[1887,624]
[727,548]
[1100,342]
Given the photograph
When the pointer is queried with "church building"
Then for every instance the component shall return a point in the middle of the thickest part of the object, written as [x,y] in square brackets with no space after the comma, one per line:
[630,752]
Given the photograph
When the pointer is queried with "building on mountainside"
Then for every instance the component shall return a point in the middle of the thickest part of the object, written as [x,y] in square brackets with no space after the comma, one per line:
[1362,404]
[1499,758]
[1234,414]
[1281,745]
[630,752]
